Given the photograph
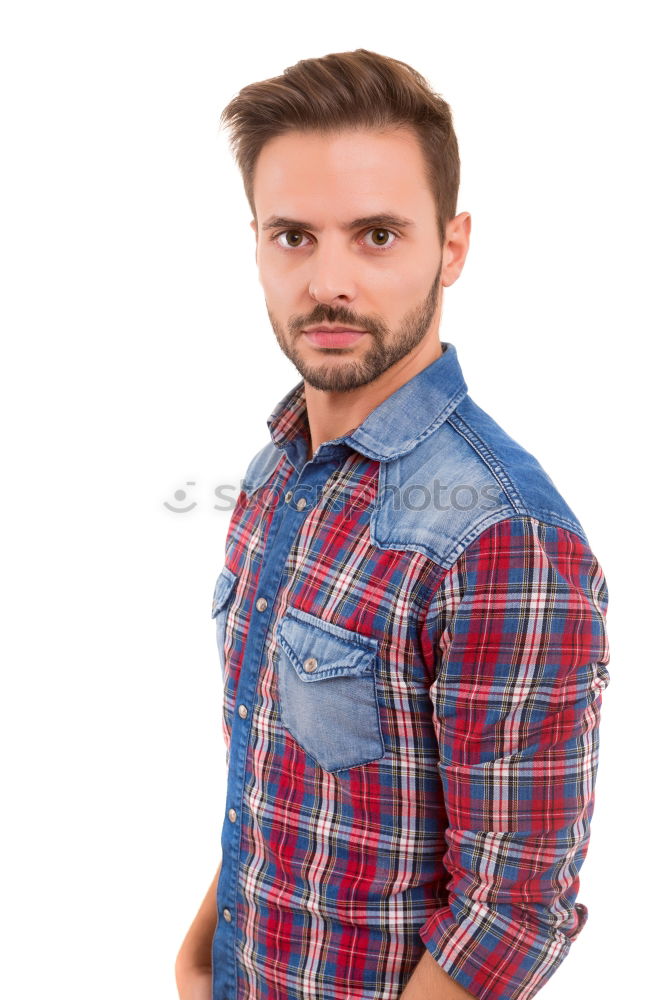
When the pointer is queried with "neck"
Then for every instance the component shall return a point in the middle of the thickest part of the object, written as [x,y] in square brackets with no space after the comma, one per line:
[333,414]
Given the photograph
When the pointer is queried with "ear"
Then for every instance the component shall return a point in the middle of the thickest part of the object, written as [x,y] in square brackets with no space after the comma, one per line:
[458,231]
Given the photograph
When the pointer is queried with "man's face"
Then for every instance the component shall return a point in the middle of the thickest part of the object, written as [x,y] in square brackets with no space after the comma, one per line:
[347,236]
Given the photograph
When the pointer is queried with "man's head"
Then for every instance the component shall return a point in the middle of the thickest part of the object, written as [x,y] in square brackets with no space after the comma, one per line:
[351,168]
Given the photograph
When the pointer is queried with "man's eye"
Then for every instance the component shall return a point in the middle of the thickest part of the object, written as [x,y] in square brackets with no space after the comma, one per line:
[385,233]
[293,239]
[289,233]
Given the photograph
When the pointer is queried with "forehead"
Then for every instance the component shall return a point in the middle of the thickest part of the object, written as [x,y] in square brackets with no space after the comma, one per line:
[358,170]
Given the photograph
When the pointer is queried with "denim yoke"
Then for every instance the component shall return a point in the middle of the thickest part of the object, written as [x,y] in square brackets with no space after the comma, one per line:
[329,571]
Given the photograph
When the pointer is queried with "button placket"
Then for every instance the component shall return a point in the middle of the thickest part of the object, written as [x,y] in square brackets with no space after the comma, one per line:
[278,543]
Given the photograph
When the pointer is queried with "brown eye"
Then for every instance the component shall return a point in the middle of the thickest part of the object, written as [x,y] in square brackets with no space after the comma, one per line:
[292,238]
[384,235]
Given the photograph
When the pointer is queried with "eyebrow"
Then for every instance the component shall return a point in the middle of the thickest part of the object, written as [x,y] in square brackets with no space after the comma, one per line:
[366,220]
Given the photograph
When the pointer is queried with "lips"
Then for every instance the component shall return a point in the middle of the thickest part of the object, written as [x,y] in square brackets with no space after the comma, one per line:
[333,338]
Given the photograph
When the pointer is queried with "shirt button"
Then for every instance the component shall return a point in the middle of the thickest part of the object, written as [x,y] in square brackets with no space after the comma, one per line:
[300,504]
[227,915]
[242,711]
[233,815]
[261,604]
[288,495]
[310,664]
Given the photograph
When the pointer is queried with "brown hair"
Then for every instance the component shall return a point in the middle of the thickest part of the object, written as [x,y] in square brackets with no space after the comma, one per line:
[359,89]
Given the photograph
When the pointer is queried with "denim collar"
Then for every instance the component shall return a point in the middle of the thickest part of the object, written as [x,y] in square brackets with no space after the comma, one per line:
[396,425]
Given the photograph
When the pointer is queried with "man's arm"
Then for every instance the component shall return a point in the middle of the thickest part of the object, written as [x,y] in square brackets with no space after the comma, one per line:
[193,962]
[520,622]
[429,982]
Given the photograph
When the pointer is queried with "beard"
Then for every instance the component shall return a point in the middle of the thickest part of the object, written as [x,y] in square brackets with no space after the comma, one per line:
[386,349]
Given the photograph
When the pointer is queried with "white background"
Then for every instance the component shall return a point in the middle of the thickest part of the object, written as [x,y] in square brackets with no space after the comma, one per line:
[137,357]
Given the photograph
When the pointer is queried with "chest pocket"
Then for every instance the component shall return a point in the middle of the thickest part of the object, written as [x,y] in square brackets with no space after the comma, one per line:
[224,588]
[327,689]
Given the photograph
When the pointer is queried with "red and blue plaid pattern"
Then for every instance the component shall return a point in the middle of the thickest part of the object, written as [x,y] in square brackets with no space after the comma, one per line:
[468,835]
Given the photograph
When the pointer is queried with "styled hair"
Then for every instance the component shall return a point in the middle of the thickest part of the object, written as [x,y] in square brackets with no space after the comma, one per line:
[347,90]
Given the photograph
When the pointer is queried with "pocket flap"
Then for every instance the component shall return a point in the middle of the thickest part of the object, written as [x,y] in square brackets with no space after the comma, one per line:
[223,590]
[318,649]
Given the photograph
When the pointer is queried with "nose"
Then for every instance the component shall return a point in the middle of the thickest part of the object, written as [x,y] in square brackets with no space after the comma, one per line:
[331,275]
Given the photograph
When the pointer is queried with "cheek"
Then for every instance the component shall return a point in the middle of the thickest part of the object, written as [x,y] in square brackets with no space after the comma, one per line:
[275,280]
[271,285]
[392,288]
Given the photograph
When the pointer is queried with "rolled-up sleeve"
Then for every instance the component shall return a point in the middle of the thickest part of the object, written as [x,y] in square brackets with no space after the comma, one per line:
[522,648]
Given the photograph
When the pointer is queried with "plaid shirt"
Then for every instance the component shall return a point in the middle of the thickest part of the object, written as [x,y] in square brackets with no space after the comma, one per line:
[411,627]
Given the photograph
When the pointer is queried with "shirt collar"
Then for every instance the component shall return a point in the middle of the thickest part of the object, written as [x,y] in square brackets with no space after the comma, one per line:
[397,424]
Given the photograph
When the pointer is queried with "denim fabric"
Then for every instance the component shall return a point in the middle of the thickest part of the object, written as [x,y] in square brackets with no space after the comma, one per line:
[224,588]
[411,631]
[327,686]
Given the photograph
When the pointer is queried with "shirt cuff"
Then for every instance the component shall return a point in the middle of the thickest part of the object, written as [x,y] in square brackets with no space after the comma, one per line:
[494,956]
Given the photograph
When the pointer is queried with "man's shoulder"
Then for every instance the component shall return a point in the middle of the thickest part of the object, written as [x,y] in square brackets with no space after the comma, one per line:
[465,476]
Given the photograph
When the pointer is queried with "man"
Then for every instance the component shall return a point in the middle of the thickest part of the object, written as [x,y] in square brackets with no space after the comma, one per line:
[410,622]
